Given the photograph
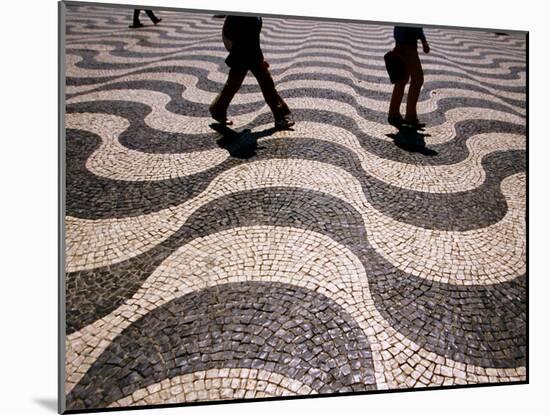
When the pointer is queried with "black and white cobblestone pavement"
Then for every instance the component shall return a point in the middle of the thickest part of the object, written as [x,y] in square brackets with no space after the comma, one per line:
[341,256]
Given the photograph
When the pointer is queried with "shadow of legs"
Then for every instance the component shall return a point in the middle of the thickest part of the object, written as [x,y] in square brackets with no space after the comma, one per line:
[411,140]
[242,144]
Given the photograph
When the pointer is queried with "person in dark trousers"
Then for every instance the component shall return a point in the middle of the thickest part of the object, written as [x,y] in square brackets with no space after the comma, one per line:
[241,37]
[406,40]
[136,23]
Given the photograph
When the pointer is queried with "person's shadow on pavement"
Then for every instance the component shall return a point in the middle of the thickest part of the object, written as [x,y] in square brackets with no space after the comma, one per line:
[411,140]
[241,144]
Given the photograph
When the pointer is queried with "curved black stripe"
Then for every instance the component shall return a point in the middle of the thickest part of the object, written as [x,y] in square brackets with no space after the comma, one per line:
[481,325]
[94,197]
[174,89]
[179,105]
[272,26]
[348,48]
[141,137]
[88,61]
[451,152]
[302,58]
[460,211]
[273,326]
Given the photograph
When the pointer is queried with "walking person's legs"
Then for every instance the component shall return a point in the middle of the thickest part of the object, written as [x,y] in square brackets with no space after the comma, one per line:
[152,16]
[135,19]
[218,108]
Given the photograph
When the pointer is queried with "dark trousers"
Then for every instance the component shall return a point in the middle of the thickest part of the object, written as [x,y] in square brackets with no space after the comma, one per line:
[234,81]
[415,74]
[149,13]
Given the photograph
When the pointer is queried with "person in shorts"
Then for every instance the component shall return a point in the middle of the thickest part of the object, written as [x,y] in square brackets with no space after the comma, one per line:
[406,41]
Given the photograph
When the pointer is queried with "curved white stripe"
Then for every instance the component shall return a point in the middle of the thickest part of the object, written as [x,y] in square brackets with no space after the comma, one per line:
[262,253]
[219,77]
[348,59]
[216,384]
[294,27]
[162,119]
[114,161]
[257,253]
[216,76]
[360,51]
[450,178]
[482,256]
[194,94]
[335,38]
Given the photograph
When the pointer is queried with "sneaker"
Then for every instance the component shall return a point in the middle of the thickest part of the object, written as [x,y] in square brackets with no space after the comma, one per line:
[135,25]
[283,123]
[157,21]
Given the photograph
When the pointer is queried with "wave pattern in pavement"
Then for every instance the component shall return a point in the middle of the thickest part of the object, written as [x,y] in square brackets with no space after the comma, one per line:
[340,256]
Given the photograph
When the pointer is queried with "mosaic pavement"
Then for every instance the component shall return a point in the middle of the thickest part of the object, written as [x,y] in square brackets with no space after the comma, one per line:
[341,256]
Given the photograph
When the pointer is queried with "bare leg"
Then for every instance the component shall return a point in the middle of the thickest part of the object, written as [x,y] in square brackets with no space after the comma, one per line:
[417,80]
[394,113]
[396,98]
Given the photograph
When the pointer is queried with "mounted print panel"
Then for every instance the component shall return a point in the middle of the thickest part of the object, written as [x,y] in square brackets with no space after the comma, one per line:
[263,207]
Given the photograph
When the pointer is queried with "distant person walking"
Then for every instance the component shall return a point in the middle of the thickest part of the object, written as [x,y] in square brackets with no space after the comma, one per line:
[406,41]
[241,37]
[136,23]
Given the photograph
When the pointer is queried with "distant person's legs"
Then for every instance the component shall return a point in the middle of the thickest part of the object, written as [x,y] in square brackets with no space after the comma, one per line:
[135,21]
[152,16]
[218,108]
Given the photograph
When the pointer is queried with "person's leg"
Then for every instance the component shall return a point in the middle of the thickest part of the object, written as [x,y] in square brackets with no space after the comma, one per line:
[394,113]
[152,16]
[135,19]
[283,107]
[396,99]
[417,80]
[218,108]
[278,106]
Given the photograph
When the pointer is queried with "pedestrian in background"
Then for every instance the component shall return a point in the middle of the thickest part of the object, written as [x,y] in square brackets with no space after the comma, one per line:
[136,23]
[406,42]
